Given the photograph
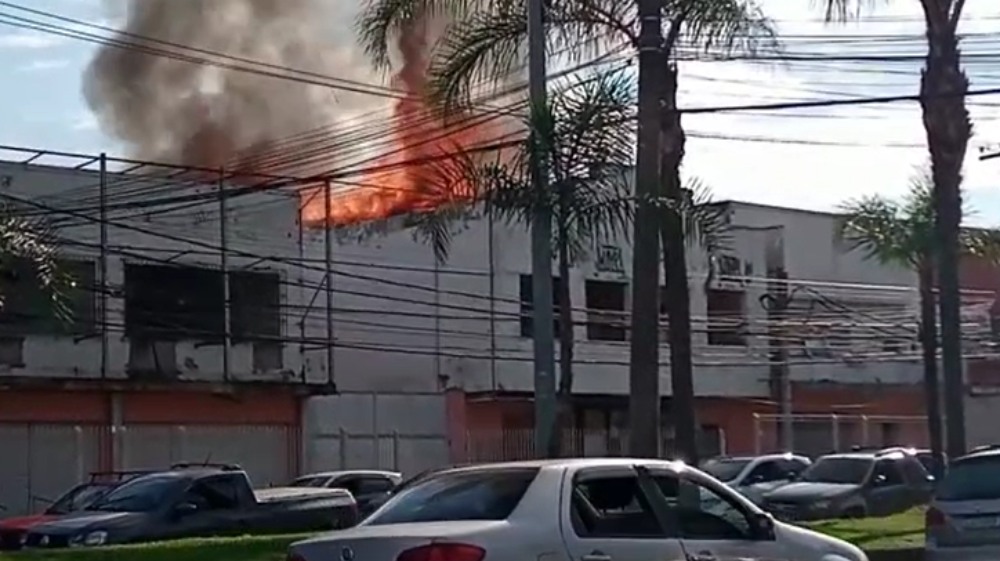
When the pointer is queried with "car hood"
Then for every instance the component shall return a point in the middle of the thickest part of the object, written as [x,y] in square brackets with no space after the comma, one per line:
[805,491]
[25,522]
[801,543]
[89,520]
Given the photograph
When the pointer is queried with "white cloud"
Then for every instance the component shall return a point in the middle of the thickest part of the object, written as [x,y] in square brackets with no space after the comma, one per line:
[28,41]
[43,65]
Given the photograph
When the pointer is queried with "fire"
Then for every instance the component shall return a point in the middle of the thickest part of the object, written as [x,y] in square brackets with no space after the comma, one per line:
[420,173]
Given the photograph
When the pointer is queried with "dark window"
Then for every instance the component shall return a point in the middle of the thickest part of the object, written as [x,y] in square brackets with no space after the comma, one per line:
[971,479]
[78,498]
[143,494]
[887,472]
[793,467]
[216,493]
[174,302]
[372,485]
[726,317]
[527,307]
[914,471]
[28,309]
[843,470]
[764,472]
[474,495]
[606,319]
[725,470]
[255,305]
[310,481]
[612,507]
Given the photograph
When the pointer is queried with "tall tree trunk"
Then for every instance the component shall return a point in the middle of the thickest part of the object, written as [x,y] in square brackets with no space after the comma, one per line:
[644,348]
[928,344]
[678,297]
[564,395]
[943,87]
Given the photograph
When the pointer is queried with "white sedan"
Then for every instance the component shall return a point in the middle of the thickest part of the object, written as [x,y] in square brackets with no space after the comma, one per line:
[593,509]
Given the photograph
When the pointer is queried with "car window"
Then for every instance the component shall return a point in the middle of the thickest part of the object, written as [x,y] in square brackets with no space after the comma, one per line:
[213,493]
[80,497]
[839,470]
[766,471]
[350,483]
[143,494]
[373,484]
[913,471]
[612,506]
[705,514]
[794,466]
[887,471]
[971,479]
[725,469]
[310,481]
[469,495]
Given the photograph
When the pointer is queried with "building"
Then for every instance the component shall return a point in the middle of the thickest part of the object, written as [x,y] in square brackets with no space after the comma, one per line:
[431,360]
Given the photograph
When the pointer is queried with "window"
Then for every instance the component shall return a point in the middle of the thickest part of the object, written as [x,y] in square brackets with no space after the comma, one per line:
[612,506]
[971,479]
[792,468]
[705,514]
[527,308]
[310,481]
[143,494]
[465,495]
[725,470]
[187,303]
[887,473]
[726,317]
[913,471]
[842,470]
[217,493]
[374,485]
[606,318]
[29,309]
[764,472]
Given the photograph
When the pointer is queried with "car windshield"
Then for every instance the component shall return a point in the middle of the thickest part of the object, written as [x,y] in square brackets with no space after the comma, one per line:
[848,471]
[79,498]
[724,470]
[310,481]
[139,495]
[473,495]
[972,479]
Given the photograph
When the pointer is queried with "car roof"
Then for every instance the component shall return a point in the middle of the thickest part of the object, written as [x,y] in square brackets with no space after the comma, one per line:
[572,463]
[340,473]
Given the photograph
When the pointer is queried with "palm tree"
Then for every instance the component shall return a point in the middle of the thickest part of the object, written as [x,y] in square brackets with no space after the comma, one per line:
[31,244]
[943,86]
[487,41]
[902,234]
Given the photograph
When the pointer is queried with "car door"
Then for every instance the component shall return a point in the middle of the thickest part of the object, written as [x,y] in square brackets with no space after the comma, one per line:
[210,507]
[886,489]
[712,524]
[605,516]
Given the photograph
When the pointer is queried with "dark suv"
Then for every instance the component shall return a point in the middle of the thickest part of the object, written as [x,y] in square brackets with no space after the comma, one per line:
[854,485]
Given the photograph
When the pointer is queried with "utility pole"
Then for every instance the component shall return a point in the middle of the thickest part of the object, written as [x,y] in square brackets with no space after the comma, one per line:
[776,302]
[541,249]
[328,284]
[224,266]
[644,350]
[104,316]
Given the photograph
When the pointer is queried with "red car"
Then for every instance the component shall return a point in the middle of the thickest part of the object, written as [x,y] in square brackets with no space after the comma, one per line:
[13,530]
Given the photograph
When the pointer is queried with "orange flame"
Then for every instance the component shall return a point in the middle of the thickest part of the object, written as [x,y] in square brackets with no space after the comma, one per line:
[421,173]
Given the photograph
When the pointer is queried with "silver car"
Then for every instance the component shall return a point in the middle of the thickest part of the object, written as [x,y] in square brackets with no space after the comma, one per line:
[963,521]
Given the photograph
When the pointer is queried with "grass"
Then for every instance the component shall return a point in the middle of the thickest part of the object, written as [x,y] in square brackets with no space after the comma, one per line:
[900,531]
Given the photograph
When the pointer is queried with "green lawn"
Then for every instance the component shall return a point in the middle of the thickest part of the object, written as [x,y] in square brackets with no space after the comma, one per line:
[901,531]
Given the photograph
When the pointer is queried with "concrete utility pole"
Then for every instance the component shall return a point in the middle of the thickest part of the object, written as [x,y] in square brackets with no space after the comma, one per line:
[644,351]
[776,302]
[227,335]
[331,380]
[104,316]
[541,249]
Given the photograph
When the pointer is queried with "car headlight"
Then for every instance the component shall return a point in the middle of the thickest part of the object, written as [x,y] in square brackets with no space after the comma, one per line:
[90,539]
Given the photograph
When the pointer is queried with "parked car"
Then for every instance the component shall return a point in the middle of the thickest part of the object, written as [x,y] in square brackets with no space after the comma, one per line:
[963,520]
[592,508]
[13,531]
[196,501]
[754,475]
[369,487]
[853,485]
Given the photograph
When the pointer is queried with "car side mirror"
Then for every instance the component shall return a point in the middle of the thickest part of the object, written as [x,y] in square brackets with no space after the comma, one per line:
[185,509]
[762,526]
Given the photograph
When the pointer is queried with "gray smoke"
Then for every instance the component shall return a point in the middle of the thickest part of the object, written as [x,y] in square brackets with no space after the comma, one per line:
[176,111]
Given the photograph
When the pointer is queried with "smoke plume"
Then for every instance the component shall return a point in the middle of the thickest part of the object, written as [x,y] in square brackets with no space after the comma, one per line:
[182,112]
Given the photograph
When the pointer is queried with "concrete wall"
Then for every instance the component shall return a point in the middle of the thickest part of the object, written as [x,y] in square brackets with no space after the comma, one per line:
[404,323]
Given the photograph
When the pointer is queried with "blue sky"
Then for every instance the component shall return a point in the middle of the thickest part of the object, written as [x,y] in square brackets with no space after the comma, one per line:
[767,158]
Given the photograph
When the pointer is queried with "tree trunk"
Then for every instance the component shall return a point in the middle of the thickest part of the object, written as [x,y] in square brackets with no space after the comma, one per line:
[564,395]
[678,297]
[644,349]
[943,87]
[928,344]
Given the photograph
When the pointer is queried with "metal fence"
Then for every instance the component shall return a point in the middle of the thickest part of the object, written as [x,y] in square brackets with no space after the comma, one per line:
[42,461]
[821,434]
